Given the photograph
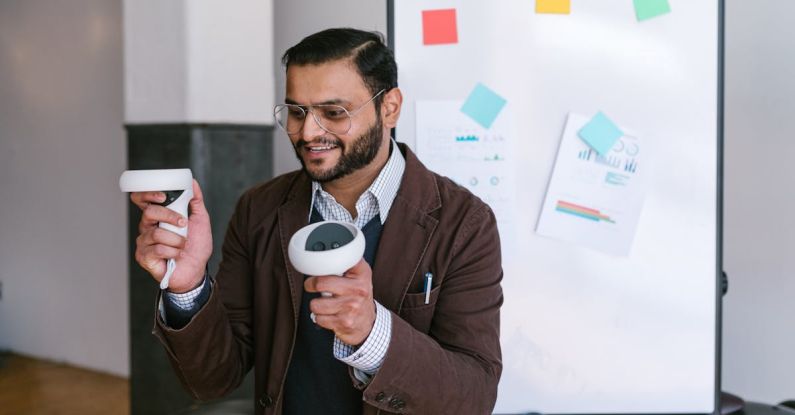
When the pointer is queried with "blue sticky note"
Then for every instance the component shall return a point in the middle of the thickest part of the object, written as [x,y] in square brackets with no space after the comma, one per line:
[600,133]
[483,105]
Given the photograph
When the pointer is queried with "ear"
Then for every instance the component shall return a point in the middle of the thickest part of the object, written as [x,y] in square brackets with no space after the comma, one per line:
[390,107]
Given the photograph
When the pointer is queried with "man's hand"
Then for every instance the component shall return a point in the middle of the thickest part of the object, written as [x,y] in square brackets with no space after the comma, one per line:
[154,246]
[350,311]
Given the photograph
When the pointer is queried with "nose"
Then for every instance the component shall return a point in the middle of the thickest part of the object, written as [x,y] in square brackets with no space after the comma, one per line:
[311,128]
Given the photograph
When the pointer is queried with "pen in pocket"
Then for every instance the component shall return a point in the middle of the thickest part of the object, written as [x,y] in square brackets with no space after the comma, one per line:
[428,285]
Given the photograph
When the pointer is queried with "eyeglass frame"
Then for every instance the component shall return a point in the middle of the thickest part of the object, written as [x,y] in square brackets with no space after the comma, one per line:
[308,109]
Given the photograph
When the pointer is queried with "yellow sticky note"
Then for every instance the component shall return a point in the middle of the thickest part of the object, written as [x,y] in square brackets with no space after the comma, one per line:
[553,6]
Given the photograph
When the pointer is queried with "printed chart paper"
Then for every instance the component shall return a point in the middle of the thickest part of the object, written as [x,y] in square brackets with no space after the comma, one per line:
[453,145]
[595,200]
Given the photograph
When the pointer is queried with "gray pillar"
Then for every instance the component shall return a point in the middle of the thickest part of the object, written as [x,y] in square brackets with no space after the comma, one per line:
[199,93]
[226,160]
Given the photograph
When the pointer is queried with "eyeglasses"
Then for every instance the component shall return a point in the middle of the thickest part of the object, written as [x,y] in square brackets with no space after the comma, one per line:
[332,118]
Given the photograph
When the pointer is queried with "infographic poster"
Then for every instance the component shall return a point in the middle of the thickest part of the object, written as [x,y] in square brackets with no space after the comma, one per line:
[595,200]
[452,144]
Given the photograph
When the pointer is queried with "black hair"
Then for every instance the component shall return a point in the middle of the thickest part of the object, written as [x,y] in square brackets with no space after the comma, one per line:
[370,55]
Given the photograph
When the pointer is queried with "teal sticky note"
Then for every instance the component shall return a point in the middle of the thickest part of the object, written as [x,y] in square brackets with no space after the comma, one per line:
[600,133]
[483,105]
[646,9]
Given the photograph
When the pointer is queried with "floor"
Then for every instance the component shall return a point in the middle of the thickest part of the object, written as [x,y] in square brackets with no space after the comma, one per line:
[32,387]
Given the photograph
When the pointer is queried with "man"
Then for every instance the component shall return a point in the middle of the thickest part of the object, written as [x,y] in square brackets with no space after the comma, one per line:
[380,342]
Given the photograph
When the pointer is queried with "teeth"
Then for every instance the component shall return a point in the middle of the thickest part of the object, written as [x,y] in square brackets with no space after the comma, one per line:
[321,148]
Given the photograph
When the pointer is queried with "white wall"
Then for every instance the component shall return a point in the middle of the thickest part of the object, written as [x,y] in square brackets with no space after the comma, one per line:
[759,340]
[198,61]
[155,61]
[63,255]
[296,19]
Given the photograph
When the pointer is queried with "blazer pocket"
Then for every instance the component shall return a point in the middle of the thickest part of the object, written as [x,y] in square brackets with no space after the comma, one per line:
[415,312]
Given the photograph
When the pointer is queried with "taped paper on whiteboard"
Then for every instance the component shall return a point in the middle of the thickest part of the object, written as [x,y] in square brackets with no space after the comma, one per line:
[453,145]
[595,200]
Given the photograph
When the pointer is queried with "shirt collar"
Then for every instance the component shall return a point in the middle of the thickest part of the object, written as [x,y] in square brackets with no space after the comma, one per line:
[384,188]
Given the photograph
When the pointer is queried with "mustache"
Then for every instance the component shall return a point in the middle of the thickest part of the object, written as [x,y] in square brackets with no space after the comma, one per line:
[320,141]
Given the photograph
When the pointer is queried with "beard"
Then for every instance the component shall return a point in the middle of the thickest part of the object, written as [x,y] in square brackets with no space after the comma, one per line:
[362,152]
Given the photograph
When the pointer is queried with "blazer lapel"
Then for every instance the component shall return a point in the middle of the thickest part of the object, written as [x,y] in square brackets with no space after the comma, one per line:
[404,239]
[406,234]
[292,216]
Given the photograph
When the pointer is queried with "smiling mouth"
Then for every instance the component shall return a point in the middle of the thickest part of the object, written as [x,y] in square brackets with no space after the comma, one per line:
[320,148]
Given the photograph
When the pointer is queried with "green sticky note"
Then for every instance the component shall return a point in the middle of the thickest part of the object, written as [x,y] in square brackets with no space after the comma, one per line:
[483,105]
[600,133]
[646,9]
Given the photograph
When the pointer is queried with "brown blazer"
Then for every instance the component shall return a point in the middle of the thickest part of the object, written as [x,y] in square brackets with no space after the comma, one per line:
[444,357]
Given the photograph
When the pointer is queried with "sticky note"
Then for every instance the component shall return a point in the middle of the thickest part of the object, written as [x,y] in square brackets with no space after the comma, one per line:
[553,6]
[483,105]
[600,133]
[439,27]
[646,9]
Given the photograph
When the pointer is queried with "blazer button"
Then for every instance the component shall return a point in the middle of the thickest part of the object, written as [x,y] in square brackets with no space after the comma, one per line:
[396,403]
[265,401]
[380,397]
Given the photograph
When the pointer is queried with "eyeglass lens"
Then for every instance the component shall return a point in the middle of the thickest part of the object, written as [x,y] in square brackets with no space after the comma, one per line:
[332,118]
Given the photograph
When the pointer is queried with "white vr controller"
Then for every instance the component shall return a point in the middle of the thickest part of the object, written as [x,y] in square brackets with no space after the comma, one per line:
[326,248]
[177,184]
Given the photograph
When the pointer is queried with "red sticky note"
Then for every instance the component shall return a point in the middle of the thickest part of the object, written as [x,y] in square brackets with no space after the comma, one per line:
[439,27]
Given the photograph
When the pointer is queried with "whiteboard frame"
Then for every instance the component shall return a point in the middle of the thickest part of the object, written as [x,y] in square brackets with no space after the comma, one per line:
[719,283]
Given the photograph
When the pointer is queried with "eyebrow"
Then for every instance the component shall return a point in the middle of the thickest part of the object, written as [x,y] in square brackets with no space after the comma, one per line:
[335,101]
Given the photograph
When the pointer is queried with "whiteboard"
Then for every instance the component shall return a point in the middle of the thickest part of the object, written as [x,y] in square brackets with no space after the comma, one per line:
[584,331]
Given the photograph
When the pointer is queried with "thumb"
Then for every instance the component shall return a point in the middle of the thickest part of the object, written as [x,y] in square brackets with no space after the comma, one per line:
[197,203]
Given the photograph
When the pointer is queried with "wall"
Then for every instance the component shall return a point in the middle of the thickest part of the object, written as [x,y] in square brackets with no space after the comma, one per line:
[198,61]
[296,19]
[63,256]
[759,232]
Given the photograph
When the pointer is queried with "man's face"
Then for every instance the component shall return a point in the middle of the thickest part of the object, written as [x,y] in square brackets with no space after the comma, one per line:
[323,155]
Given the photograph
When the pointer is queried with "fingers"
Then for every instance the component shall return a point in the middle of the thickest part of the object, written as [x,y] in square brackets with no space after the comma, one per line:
[143,199]
[154,266]
[161,236]
[152,258]
[326,306]
[337,286]
[154,214]
[350,327]
[159,251]
[156,245]
[336,323]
